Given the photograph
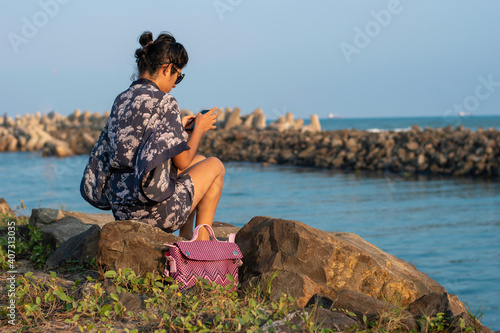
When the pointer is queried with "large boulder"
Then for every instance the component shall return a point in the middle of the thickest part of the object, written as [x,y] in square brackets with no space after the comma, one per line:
[310,261]
[135,245]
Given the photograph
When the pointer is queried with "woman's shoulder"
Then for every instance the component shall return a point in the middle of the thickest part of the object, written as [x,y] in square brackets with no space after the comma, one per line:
[168,101]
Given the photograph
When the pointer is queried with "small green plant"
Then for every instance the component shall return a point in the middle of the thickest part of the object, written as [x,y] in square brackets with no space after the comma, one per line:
[28,245]
[39,253]
[475,314]
[433,324]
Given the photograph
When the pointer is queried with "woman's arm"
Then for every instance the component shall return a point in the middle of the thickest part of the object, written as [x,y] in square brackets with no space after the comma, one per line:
[203,123]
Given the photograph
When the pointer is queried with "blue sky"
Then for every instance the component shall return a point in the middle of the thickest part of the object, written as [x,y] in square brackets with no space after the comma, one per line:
[355,59]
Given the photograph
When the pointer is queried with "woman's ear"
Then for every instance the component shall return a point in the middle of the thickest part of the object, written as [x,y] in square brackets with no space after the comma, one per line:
[167,69]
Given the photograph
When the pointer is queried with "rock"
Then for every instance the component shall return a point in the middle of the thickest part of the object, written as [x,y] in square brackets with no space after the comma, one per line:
[465,320]
[221,118]
[321,301]
[63,225]
[43,216]
[374,309]
[279,124]
[233,119]
[412,145]
[11,143]
[186,112]
[248,121]
[24,266]
[38,277]
[32,142]
[65,228]
[311,261]
[434,303]
[85,116]
[337,142]
[133,302]
[100,219]
[284,123]
[314,125]
[297,125]
[222,230]
[259,119]
[57,148]
[5,207]
[135,245]
[322,318]
[82,247]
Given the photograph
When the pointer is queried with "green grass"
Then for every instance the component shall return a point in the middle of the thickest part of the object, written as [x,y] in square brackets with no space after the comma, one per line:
[205,308]
[96,306]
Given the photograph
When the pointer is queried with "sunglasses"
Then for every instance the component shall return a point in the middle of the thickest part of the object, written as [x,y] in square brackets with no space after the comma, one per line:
[179,77]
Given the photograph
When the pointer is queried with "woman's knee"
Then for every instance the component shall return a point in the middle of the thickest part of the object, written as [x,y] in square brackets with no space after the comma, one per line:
[217,165]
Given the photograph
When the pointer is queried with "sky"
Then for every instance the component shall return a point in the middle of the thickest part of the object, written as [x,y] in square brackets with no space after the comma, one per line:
[354,59]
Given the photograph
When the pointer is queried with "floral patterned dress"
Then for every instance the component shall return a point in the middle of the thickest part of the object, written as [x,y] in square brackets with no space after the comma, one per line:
[135,150]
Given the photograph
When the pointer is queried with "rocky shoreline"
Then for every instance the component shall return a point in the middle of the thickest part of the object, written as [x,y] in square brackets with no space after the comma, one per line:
[353,281]
[431,151]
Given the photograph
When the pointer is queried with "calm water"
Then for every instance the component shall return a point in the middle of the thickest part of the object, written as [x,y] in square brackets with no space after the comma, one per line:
[471,122]
[448,228]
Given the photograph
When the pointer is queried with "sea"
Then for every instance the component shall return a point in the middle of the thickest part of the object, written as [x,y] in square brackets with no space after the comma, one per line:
[449,228]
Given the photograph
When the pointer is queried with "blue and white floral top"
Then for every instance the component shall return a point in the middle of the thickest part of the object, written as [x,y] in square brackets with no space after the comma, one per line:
[133,155]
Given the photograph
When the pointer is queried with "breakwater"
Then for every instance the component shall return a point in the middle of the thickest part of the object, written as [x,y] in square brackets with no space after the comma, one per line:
[433,151]
[441,151]
[52,133]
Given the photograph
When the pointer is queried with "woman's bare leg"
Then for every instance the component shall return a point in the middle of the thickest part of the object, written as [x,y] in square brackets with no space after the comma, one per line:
[208,179]
[186,230]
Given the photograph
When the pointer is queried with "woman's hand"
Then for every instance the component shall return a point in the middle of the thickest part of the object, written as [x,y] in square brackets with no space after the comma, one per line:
[206,122]
[187,119]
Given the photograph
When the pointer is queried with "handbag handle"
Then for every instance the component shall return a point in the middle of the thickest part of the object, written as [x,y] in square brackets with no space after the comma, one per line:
[209,229]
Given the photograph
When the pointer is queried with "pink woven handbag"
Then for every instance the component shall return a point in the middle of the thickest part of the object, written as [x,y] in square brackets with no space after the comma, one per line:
[212,260]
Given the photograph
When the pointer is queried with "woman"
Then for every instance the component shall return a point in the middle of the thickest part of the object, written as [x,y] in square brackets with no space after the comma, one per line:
[154,173]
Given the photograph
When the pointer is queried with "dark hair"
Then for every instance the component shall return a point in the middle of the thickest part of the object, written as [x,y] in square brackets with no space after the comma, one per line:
[163,50]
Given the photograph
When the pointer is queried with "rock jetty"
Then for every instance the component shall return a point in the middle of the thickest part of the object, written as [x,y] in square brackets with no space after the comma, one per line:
[429,151]
[286,141]
[52,133]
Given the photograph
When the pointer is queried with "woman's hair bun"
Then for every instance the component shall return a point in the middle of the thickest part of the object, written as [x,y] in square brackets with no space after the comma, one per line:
[146,38]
